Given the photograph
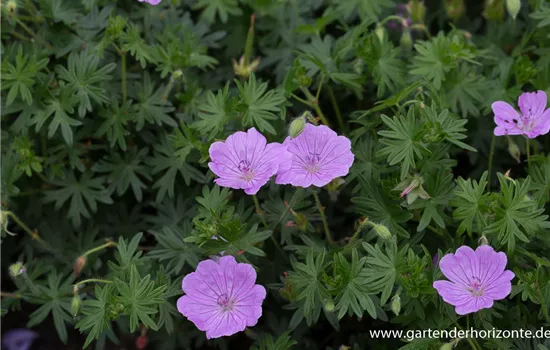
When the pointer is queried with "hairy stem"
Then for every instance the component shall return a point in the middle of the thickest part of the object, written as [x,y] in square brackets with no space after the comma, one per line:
[91,280]
[96,249]
[314,103]
[33,234]
[323,217]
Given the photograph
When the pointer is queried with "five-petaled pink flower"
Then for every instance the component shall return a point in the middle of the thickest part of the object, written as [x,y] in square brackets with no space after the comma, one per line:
[152,2]
[222,297]
[319,155]
[533,121]
[246,161]
[477,278]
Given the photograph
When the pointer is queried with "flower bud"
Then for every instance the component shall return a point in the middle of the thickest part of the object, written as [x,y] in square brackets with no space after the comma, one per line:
[11,6]
[381,230]
[446,346]
[304,80]
[454,8]
[406,40]
[141,342]
[329,305]
[396,304]
[380,32]
[75,305]
[177,74]
[16,269]
[79,265]
[358,65]
[514,151]
[483,240]
[513,7]
[297,127]
[418,10]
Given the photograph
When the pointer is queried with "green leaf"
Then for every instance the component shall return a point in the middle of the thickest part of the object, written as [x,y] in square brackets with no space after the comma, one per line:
[283,342]
[403,142]
[85,78]
[84,194]
[95,319]
[134,43]
[174,250]
[365,9]
[224,8]
[20,78]
[386,68]
[115,123]
[381,267]
[447,127]
[471,204]
[354,295]
[55,299]
[214,113]
[258,106]
[141,299]
[127,257]
[151,105]
[517,215]
[542,13]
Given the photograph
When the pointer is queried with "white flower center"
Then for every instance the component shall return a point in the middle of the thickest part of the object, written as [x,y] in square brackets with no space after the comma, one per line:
[312,162]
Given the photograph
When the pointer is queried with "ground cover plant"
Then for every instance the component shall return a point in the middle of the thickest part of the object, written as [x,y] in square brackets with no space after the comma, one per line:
[274,174]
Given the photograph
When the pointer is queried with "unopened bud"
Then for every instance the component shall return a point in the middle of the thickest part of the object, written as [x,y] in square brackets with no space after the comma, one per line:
[75,305]
[79,265]
[446,346]
[381,230]
[177,74]
[141,342]
[396,304]
[513,7]
[11,6]
[380,32]
[406,40]
[418,10]
[329,305]
[513,150]
[483,240]
[16,269]
[297,127]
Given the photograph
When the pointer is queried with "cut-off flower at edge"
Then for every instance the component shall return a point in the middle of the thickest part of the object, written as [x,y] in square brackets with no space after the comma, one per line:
[222,297]
[477,278]
[533,121]
[152,2]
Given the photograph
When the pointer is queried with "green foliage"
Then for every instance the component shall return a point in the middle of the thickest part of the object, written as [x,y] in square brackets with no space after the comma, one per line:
[109,110]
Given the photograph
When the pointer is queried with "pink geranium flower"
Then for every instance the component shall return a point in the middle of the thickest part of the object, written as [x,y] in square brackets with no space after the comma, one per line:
[319,155]
[246,161]
[533,121]
[152,2]
[222,297]
[477,278]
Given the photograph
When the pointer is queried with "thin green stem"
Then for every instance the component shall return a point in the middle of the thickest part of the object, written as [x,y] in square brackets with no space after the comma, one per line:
[124,88]
[91,280]
[336,109]
[491,154]
[528,151]
[10,295]
[301,100]
[358,231]
[32,33]
[320,87]
[33,234]
[292,200]
[314,103]
[101,247]
[323,217]
[262,218]
[168,89]
[471,341]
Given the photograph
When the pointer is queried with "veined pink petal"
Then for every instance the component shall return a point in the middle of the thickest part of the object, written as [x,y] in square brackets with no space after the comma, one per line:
[532,104]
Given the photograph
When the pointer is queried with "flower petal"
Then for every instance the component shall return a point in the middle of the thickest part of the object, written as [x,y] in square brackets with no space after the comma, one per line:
[452,293]
[491,263]
[532,104]
[225,324]
[501,287]
[452,269]
[474,305]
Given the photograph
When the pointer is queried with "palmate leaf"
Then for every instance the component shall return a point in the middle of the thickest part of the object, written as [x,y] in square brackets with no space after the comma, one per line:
[466,92]
[115,121]
[378,206]
[283,342]
[95,318]
[172,250]
[85,78]
[382,267]
[125,171]
[84,194]
[517,215]
[151,105]
[306,278]
[55,299]
[258,106]
[542,13]
[366,9]
[127,257]
[214,113]
[223,8]
[166,161]
[60,108]
[471,204]
[141,298]
[20,78]
[354,297]
[403,142]
[167,310]
[540,173]
[136,46]
[447,126]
